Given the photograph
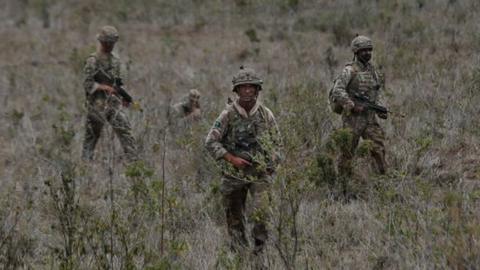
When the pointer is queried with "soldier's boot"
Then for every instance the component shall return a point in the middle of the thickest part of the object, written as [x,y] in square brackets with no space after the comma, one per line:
[123,130]
[93,130]
[260,236]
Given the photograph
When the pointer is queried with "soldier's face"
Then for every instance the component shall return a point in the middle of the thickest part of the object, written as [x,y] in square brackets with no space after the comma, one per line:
[364,55]
[247,92]
[194,100]
[107,47]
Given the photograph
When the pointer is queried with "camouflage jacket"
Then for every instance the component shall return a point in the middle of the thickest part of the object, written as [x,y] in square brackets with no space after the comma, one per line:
[357,79]
[97,63]
[184,108]
[253,136]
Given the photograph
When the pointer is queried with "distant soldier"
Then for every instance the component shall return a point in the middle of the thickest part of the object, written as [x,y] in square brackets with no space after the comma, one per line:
[246,140]
[359,79]
[105,95]
[189,107]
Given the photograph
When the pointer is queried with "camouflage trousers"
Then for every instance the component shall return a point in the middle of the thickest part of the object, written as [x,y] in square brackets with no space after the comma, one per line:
[365,128]
[99,114]
[235,193]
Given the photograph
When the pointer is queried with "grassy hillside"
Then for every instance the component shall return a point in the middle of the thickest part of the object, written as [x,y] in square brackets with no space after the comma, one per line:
[57,212]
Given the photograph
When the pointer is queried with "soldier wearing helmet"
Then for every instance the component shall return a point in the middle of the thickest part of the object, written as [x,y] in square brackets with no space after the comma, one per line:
[245,139]
[101,74]
[359,78]
[189,107]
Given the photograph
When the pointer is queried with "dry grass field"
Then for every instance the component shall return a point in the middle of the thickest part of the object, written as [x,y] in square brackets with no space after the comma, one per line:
[57,212]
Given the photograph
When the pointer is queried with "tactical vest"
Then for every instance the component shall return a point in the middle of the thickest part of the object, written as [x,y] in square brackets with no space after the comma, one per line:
[110,65]
[107,71]
[244,138]
[364,82]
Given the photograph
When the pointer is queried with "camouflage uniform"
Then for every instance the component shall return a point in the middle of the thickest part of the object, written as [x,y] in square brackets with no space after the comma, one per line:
[363,79]
[186,109]
[253,136]
[102,107]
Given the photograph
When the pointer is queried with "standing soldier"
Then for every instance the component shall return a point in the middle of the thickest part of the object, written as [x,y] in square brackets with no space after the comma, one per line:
[105,96]
[189,108]
[359,79]
[246,140]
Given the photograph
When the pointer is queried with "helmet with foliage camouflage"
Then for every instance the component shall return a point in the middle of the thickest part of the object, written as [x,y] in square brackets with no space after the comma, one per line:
[360,43]
[246,76]
[108,34]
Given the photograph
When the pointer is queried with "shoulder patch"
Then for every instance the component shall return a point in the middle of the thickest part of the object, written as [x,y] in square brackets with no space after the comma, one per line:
[217,124]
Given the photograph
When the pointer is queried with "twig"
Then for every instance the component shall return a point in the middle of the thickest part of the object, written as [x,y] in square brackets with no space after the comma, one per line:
[111,168]
[162,200]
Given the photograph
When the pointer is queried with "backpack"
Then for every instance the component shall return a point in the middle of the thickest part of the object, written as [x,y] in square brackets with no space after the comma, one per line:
[334,106]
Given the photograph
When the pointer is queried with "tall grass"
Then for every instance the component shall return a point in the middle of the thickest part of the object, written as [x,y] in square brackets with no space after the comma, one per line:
[56,211]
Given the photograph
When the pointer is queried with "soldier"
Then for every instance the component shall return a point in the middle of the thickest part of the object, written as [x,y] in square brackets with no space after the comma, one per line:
[189,108]
[102,79]
[359,78]
[246,140]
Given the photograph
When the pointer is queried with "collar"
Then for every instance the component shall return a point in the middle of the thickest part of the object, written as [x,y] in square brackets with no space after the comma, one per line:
[243,112]
[363,66]
[102,55]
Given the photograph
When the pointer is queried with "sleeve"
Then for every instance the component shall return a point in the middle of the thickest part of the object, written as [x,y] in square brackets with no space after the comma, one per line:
[339,91]
[215,135]
[177,110]
[89,70]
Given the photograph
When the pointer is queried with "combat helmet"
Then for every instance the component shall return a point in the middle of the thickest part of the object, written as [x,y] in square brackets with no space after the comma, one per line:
[360,43]
[246,76]
[193,94]
[108,34]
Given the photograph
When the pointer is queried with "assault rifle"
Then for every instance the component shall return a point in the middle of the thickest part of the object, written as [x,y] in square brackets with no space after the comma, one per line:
[365,102]
[369,105]
[103,78]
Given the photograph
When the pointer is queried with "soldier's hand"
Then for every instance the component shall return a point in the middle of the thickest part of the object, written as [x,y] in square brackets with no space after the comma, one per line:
[358,108]
[237,162]
[383,115]
[106,88]
[348,106]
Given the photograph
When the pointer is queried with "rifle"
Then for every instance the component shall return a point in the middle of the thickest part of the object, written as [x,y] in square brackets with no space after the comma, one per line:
[103,78]
[365,102]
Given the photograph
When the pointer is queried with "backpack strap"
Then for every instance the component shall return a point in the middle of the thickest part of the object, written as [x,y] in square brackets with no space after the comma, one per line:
[353,73]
